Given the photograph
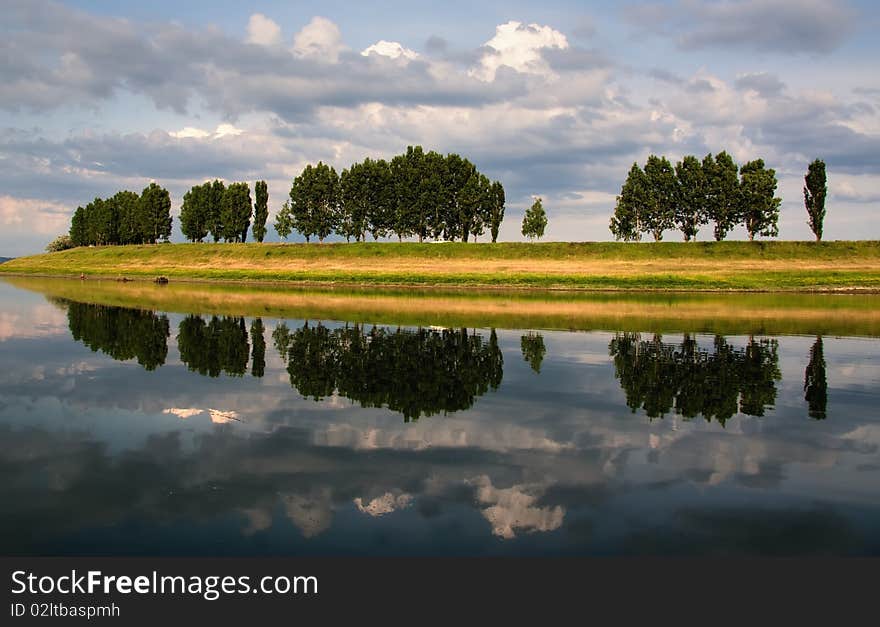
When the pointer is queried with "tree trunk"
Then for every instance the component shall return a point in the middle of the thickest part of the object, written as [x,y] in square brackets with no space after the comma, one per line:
[751,236]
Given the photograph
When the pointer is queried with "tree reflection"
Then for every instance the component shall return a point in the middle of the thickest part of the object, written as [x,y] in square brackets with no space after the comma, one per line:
[214,347]
[121,333]
[416,372]
[815,383]
[533,350]
[660,378]
[258,354]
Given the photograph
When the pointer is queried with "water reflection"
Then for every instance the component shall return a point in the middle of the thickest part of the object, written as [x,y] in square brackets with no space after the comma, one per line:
[266,436]
[214,347]
[815,382]
[121,333]
[715,383]
[418,372]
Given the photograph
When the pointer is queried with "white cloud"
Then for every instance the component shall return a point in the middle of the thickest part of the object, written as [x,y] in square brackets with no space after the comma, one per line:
[263,31]
[319,39]
[519,46]
[192,132]
[390,49]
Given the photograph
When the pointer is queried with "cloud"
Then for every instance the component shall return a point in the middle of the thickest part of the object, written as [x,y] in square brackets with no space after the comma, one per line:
[320,39]
[786,26]
[44,217]
[263,31]
[765,84]
[390,49]
[518,46]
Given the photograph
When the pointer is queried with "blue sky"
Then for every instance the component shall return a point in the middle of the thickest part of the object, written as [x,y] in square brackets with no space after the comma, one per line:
[555,99]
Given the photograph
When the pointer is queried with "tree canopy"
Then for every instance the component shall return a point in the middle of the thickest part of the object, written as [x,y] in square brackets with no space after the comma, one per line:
[417,194]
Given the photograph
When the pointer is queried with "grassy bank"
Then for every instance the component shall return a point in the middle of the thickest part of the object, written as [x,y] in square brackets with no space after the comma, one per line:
[737,314]
[663,266]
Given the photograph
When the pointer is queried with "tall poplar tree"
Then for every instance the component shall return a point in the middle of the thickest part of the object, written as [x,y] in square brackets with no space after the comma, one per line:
[815,192]
[261,210]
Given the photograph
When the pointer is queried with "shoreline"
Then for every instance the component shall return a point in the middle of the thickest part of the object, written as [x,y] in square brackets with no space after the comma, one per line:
[446,286]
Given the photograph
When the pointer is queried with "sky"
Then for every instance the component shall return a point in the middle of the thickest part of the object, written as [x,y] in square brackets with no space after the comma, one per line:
[555,100]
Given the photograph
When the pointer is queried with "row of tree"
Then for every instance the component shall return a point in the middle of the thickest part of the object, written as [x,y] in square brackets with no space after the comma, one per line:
[692,193]
[415,194]
[124,218]
[224,211]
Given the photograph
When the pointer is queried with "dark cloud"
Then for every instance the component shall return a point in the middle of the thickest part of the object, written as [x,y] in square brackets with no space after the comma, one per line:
[787,26]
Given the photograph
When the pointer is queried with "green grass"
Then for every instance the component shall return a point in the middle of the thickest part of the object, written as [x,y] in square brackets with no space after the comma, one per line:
[771,265]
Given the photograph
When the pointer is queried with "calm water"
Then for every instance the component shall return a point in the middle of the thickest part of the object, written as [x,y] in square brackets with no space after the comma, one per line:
[134,432]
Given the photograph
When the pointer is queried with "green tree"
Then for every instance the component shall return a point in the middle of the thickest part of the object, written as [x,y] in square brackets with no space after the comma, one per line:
[154,214]
[534,221]
[62,242]
[324,198]
[261,210]
[722,193]
[815,192]
[125,205]
[759,205]
[661,183]
[626,223]
[235,212]
[496,209]
[215,192]
[381,199]
[284,222]
[78,229]
[690,205]
[195,213]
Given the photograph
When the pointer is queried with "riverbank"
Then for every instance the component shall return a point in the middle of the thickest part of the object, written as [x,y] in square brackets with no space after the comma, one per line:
[712,313]
[701,266]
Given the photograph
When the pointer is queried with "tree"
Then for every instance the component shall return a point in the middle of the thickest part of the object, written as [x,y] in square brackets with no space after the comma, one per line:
[195,213]
[324,198]
[469,200]
[660,212]
[154,214]
[690,205]
[261,210]
[380,198]
[722,193]
[496,209]
[406,172]
[284,221]
[759,206]
[78,232]
[431,199]
[626,223]
[534,221]
[215,200]
[62,242]
[815,192]
[235,212]
[125,205]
